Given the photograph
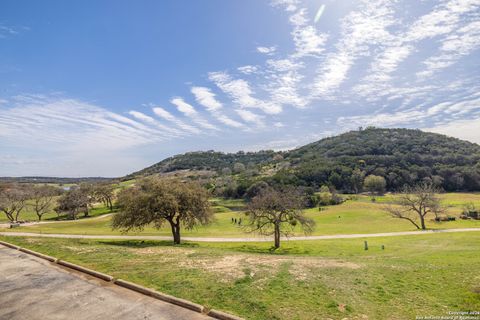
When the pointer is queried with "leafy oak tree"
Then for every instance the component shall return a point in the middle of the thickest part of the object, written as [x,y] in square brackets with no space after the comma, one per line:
[157,201]
[104,192]
[277,212]
[76,200]
[375,184]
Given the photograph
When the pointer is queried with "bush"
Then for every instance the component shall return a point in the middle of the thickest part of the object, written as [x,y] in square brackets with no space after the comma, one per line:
[375,184]
[327,197]
[470,211]
[447,218]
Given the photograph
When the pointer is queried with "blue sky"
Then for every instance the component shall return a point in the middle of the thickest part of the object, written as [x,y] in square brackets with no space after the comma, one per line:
[104,88]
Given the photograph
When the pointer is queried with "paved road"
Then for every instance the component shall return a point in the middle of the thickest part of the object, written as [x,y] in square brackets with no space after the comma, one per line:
[250,239]
[34,289]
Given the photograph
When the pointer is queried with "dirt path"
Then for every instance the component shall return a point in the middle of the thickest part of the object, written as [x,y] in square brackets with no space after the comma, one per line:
[33,289]
[250,239]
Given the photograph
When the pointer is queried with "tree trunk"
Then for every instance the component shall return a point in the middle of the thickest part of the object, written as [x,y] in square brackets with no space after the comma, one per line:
[176,236]
[422,222]
[9,215]
[277,236]
[175,231]
[16,215]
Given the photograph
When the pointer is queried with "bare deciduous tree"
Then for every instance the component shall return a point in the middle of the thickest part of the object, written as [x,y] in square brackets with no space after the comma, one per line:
[415,203]
[43,199]
[275,212]
[13,199]
[156,201]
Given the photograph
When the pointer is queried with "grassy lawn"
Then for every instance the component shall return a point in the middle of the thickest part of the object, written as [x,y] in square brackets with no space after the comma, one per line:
[426,275]
[354,216]
[29,215]
[452,199]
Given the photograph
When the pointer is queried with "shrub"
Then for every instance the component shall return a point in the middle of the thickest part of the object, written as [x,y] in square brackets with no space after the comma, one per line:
[470,211]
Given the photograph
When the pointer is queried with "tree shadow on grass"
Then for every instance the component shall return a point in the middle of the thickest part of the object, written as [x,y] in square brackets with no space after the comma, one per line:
[262,249]
[146,243]
[243,248]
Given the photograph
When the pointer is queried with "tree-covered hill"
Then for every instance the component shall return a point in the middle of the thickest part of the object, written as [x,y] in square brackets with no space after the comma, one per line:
[401,156]
[208,160]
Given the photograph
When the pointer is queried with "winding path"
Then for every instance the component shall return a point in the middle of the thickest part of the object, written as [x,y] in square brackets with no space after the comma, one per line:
[251,239]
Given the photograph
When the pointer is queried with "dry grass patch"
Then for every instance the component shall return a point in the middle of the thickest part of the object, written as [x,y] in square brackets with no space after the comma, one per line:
[232,267]
[163,251]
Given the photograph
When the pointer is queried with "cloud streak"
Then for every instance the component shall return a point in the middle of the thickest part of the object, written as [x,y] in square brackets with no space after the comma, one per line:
[206,98]
[164,114]
[189,111]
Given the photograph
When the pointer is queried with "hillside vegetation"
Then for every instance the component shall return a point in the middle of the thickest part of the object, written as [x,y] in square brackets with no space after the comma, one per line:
[401,156]
[208,160]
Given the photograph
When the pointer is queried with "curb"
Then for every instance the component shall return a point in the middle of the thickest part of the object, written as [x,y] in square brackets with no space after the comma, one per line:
[6,244]
[222,315]
[160,296]
[38,254]
[131,286]
[91,272]
[179,302]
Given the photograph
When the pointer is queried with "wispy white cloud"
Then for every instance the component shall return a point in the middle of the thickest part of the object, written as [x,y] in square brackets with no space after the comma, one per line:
[241,93]
[443,22]
[360,31]
[189,111]
[374,33]
[251,117]
[442,114]
[71,124]
[308,41]
[7,31]
[142,117]
[205,97]
[145,118]
[455,46]
[248,69]
[267,50]
[164,114]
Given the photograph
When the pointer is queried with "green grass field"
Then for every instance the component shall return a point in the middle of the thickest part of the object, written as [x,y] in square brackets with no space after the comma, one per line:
[354,216]
[427,275]
[30,216]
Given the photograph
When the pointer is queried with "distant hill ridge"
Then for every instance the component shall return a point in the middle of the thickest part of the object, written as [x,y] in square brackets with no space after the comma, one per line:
[401,156]
[58,180]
